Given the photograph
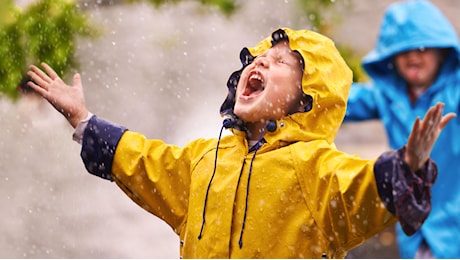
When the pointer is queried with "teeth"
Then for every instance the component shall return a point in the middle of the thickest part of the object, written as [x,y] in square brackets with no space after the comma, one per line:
[256,76]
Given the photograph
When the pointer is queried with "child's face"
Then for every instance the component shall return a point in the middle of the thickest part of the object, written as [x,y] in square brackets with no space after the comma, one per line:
[270,87]
[419,67]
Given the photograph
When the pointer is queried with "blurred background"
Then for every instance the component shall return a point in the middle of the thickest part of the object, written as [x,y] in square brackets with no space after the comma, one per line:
[157,68]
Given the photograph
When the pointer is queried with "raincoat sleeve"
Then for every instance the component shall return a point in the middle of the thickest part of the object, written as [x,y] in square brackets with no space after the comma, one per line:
[341,194]
[349,197]
[153,174]
[100,139]
[361,104]
[406,194]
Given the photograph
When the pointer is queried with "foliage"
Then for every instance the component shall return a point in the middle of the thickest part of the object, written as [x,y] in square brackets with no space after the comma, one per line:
[227,7]
[317,12]
[44,32]
[51,27]
[12,57]
[323,15]
[353,61]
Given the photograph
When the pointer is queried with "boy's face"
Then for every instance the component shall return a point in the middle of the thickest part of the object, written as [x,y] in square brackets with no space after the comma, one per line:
[270,87]
[419,67]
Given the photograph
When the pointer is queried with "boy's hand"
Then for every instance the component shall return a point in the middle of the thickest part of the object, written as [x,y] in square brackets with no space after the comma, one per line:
[424,135]
[68,100]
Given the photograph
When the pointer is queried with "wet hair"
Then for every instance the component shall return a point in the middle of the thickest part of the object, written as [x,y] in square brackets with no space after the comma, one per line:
[23,87]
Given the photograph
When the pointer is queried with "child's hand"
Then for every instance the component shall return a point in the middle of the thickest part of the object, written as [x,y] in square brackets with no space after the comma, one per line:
[424,135]
[68,100]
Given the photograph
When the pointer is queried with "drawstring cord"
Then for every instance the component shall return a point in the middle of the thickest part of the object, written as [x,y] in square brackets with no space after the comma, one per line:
[271,127]
[255,148]
[226,124]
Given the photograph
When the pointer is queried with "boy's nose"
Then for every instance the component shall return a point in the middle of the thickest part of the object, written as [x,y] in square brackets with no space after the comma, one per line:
[261,61]
[414,52]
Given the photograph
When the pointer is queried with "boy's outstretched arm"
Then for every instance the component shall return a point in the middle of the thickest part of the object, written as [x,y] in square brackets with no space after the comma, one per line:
[68,100]
[397,181]
[424,135]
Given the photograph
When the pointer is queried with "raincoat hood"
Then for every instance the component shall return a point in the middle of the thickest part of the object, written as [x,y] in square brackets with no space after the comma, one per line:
[406,26]
[326,79]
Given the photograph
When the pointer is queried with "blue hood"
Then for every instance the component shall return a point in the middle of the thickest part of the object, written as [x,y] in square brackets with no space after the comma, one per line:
[401,31]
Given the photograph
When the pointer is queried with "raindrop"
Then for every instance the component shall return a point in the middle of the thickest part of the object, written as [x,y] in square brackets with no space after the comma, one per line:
[333,203]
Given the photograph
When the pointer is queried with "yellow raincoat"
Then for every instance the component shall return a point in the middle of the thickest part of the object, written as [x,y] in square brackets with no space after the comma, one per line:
[296,196]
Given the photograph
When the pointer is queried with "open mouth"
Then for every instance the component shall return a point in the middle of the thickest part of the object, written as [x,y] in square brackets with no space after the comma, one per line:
[254,86]
[413,70]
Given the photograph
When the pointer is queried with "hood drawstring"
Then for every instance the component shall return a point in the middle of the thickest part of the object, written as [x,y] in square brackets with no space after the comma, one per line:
[228,122]
[254,148]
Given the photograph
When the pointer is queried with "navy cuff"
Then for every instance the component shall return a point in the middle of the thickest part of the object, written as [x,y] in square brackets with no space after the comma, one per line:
[100,140]
[406,194]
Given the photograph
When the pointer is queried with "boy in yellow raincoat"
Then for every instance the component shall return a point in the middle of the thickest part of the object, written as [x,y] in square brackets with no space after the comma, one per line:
[277,187]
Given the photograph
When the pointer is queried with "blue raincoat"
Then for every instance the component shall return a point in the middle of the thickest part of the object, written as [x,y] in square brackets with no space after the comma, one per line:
[406,26]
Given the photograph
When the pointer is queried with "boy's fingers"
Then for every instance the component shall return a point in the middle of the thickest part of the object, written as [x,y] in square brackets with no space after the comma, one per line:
[445,119]
[40,74]
[41,91]
[415,131]
[39,81]
[432,119]
[50,71]
[77,80]
[433,123]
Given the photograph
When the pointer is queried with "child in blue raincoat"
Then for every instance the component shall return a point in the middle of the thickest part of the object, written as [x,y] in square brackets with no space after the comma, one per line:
[415,64]
[276,187]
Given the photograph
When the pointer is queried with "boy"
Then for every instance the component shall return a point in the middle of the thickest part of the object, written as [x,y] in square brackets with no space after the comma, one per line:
[416,63]
[277,187]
